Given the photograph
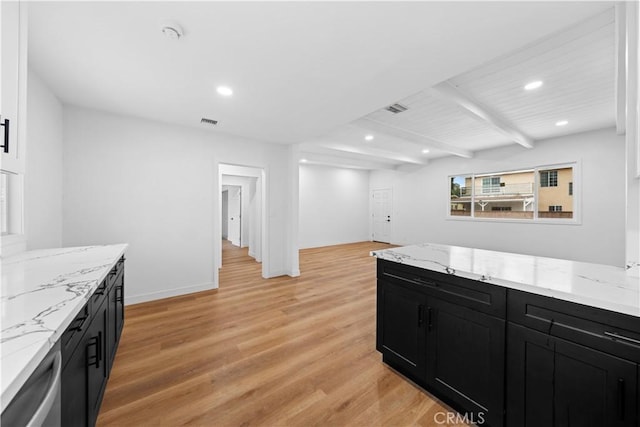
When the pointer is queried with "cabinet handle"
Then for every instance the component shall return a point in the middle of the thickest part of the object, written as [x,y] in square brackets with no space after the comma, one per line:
[621,338]
[100,350]
[79,327]
[93,360]
[420,312]
[429,324]
[5,123]
[118,294]
[620,398]
[425,282]
[101,288]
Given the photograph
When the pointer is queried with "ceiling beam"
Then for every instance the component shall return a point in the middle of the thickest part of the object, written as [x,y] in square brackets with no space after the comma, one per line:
[313,158]
[359,152]
[422,140]
[621,71]
[475,109]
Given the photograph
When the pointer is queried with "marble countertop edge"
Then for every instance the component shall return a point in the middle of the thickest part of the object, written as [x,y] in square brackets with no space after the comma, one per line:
[597,285]
[18,363]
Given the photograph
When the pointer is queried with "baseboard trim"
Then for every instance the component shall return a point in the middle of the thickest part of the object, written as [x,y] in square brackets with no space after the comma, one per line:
[136,299]
[284,273]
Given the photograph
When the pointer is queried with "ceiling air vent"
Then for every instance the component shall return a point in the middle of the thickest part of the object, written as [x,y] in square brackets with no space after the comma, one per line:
[396,108]
[209,121]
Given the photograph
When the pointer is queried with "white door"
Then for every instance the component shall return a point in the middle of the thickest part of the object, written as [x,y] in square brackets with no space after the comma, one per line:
[234,218]
[382,207]
[225,214]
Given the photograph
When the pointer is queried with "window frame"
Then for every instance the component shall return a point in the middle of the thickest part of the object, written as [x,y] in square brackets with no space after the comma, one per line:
[577,200]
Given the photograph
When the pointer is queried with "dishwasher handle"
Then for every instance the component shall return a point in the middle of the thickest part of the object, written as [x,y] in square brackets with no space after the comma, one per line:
[41,413]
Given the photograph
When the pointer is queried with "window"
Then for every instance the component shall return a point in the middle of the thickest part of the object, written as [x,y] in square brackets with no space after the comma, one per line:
[536,194]
[10,203]
[491,185]
[4,203]
[460,199]
[548,178]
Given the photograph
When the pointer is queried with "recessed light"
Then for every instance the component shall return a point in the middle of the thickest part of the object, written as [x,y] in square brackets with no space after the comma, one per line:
[533,85]
[224,90]
[303,160]
[425,151]
[368,138]
[562,123]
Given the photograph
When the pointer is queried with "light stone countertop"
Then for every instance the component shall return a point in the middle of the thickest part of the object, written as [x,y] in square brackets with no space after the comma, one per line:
[602,286]
[40,294]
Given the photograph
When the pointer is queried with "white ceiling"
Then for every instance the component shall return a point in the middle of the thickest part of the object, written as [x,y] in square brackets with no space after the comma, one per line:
[305,71]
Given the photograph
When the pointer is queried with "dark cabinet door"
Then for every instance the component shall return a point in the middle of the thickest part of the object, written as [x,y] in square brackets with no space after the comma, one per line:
[465,359]
[554,382]
[401,338]
[112,332]
[119,308]
[74,388]
[95,350]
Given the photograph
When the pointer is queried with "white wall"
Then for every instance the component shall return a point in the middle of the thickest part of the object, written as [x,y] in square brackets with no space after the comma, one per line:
[334,206]
[156,186]
[420,200]
[43,170]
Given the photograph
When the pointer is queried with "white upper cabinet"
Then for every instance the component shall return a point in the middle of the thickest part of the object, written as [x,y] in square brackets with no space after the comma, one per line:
[14,84]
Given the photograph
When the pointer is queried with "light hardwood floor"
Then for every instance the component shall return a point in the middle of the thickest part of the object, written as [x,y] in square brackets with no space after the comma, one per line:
[278,352]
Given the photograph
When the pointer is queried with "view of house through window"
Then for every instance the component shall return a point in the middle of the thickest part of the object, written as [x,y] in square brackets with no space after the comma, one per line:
[525,194]
[460,196]
[555,193]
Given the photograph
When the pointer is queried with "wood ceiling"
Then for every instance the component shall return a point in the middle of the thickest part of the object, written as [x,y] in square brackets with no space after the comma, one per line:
[487,107]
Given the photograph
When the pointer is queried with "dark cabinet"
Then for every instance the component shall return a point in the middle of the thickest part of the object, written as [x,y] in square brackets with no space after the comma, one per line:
[443,333]
[74,386]
[85,369]
[554,382]
[88,349]
[465,359]
[96,361]
[115,312]
[401,334]
[507,357]
[112,331]
[119,304]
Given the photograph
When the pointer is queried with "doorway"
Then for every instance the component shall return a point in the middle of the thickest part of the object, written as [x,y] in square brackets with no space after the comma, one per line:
[382,209]
[240,229]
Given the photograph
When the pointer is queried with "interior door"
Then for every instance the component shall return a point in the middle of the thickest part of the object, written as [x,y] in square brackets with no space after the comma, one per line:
[382,206]
[235,194]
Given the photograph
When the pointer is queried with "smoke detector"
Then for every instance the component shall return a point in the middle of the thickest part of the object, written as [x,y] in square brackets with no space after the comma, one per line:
[171,30]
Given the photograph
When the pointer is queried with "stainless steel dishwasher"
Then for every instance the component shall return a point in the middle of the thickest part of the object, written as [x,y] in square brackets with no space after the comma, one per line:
[37,403]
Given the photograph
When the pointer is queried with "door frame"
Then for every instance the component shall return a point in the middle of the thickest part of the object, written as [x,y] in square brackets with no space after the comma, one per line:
[239,170]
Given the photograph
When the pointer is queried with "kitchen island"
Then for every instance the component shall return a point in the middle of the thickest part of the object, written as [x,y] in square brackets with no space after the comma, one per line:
[42,293]
[510,339]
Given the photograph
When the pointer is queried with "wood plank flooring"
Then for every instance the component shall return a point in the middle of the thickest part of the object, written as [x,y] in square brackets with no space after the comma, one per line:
[278,352]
